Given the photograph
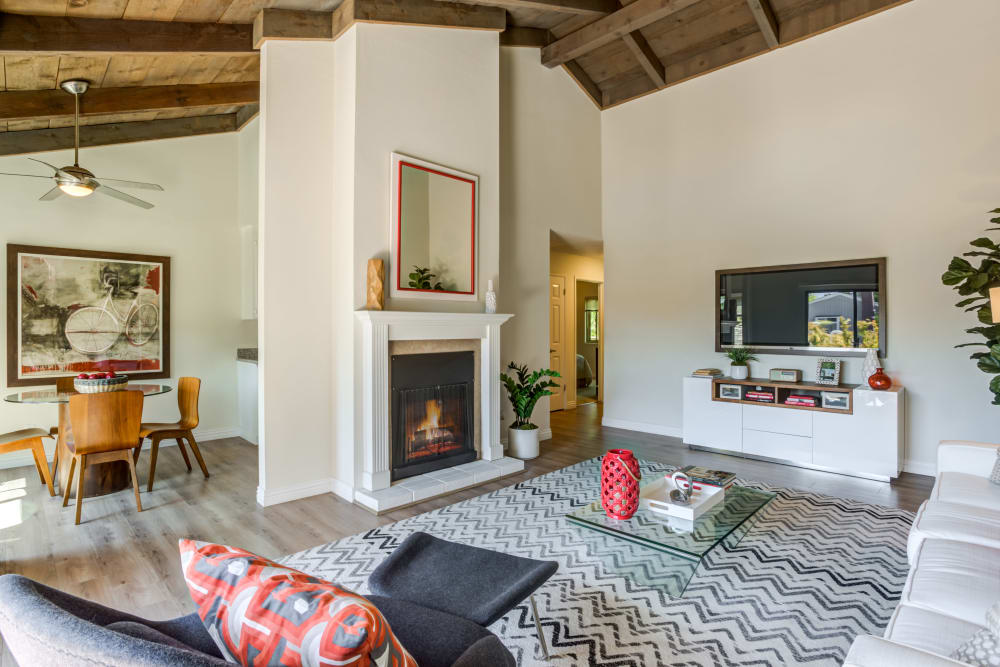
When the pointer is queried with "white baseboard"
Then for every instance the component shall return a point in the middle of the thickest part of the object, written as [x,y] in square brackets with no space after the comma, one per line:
[342,489]
[332,485]
[545,434]
[920,468]
[268,497]
[24,458]
[643,427]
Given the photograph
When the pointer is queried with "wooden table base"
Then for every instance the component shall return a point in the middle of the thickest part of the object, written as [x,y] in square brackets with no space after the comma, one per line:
[102,478]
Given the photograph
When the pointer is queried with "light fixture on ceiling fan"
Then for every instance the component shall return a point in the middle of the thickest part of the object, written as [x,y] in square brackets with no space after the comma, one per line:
[76,181]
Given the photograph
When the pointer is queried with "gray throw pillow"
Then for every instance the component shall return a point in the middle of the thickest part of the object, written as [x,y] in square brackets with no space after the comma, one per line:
[995,475]
[983,648]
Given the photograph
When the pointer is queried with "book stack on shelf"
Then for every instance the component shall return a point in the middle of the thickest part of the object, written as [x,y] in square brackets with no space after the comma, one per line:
[800,399]
[707,373]
[759,395]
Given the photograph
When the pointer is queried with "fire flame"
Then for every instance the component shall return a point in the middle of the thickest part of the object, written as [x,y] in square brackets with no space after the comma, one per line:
[434,435]
[432,410]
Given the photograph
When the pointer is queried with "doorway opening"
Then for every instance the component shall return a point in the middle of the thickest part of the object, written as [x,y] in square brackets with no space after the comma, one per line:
[588,341]
[576,320]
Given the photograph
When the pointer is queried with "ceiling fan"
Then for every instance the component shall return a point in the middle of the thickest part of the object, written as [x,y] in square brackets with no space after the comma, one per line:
[76,181]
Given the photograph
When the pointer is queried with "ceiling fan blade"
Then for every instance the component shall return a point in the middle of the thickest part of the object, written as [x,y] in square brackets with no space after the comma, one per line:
[25,175]
[118,194]
[54,193]
[52,167]
[130,184]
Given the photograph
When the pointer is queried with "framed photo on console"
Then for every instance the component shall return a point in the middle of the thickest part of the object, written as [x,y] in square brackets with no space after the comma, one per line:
[828,371]
[730,392]
[835,400]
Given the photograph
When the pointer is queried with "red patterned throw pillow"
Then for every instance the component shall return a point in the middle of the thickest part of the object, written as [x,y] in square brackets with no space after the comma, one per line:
[261,613]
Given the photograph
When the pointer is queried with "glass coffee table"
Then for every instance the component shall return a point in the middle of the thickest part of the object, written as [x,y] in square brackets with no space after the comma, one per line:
[664,552]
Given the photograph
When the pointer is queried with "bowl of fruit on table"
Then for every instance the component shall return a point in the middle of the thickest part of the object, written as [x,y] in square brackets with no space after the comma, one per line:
[95,383]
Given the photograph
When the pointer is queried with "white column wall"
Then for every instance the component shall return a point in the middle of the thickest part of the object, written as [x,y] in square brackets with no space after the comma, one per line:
[296,297]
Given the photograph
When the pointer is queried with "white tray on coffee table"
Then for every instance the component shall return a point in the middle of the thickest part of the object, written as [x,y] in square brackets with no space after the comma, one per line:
[655,497]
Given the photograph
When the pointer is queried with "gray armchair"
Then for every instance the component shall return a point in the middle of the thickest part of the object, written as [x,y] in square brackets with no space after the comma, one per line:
[45,627]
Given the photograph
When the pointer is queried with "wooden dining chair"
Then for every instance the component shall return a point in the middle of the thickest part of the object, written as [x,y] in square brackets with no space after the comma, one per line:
[188,390]
[64,385]
[30,439]
[105,428]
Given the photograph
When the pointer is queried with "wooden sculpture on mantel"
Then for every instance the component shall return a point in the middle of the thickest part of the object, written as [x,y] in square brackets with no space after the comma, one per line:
[376,286]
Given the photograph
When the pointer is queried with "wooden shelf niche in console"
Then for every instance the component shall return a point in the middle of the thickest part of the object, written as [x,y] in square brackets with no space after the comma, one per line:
[782,390]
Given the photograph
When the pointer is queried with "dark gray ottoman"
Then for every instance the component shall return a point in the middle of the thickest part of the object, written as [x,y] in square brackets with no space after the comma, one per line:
[476,584]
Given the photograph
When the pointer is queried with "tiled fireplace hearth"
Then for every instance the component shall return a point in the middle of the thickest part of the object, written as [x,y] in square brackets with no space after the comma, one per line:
[431,406]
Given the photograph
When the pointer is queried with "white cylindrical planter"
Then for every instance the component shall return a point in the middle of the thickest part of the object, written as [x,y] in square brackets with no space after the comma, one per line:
[523,443]
[739,372]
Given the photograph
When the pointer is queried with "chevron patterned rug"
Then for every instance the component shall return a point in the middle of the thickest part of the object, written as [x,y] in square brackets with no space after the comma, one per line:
[811,573]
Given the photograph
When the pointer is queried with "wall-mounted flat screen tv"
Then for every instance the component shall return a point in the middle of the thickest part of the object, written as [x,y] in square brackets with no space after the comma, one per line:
[830,308]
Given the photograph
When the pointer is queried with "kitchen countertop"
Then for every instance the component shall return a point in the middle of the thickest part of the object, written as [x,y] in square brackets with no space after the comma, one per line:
[248,354]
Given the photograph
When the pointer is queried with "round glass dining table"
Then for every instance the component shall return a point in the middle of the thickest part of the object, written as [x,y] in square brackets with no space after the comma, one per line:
[101,478]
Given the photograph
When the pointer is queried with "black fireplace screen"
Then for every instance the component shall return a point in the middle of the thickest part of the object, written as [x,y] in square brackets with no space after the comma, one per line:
[432,412]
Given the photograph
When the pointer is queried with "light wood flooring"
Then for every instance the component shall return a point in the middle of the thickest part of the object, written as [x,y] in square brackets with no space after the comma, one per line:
[128,560]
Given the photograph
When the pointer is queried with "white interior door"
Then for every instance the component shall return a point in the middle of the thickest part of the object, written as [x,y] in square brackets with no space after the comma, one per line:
[557,337]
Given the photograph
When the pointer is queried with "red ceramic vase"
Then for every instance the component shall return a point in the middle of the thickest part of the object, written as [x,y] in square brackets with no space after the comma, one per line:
[879,380]
[620,477]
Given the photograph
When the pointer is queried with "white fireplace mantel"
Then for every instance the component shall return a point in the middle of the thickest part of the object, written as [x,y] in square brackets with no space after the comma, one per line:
[382,326]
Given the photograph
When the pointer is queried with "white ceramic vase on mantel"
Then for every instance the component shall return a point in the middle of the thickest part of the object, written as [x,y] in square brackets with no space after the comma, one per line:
[739,372]
[871,365]
[491,298]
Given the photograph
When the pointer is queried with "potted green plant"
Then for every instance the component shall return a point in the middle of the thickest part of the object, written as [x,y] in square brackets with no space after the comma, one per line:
[739,362]
[975,282]
[524,392]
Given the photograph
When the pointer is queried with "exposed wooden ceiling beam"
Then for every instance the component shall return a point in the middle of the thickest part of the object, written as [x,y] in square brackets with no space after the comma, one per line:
[25,104]
[33,141]
[768,24]
[36,35]
[418,12]
[291,24]
[632,17]
[585,82]
[518,36]
[582,7]
[246,114]
[302,25]
[648,60]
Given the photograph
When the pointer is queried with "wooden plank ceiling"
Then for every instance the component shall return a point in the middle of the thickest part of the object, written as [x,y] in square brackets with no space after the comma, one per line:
[617,50]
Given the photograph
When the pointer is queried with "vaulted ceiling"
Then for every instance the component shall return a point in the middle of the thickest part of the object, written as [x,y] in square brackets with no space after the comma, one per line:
[161,68]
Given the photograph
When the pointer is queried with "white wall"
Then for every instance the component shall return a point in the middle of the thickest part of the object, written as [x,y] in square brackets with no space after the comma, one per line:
[550,157]
[432,94]
[247,214]
[861,142]
[193,222]
[296,288]
[332,113]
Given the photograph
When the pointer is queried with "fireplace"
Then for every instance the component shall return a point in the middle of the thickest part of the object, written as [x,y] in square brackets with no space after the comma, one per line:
[433,399]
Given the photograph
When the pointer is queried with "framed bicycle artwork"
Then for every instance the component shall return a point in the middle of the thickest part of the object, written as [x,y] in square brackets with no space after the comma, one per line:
[85,311]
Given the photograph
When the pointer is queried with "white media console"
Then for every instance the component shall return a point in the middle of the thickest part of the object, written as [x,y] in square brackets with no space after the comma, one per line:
[865,441]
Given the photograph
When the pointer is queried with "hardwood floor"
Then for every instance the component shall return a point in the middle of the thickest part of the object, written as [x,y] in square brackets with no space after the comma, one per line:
[128,560]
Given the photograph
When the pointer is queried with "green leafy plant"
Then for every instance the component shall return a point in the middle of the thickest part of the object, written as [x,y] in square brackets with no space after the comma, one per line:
[421,279]
[740,356]
[525,391]
[974,283]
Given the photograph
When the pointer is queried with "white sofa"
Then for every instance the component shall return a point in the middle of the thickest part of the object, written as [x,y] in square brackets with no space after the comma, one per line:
[954,556]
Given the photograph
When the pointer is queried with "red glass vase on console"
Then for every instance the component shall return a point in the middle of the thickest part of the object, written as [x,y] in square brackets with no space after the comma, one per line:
[879,380]
[620,477]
